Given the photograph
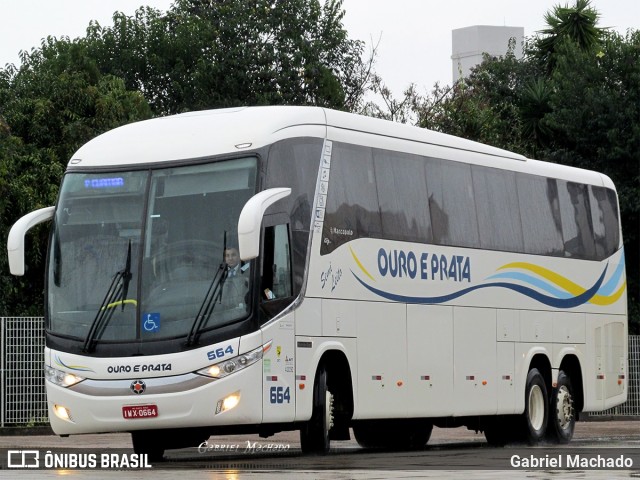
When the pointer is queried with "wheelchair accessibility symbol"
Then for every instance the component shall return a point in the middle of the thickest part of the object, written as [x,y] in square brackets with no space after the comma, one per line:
[151,322]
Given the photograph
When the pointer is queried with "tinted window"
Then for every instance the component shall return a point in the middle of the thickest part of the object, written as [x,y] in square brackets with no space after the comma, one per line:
[604,216]
[294,163]
[397,196]
[540,214]
[577,231]
[453,213]
[352,202]
[497,209]
[402,193]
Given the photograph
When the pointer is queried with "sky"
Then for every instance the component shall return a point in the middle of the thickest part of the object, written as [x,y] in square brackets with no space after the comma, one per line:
[413,36]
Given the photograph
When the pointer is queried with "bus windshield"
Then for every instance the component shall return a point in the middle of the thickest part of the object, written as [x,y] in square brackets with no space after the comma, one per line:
[134,253]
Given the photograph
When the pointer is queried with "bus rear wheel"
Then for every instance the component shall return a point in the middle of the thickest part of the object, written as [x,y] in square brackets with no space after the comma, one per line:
[314,435]
[536,408]
[562,418]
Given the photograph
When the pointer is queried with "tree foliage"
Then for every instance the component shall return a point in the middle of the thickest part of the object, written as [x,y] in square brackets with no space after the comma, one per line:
[209,54]
[199,54]
[53,104]
[576,24]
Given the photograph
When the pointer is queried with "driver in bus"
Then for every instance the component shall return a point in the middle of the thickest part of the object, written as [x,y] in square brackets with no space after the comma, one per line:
[237,283]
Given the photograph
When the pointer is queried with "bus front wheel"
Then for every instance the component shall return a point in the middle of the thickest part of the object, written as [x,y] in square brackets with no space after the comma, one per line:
[145,442]
[562,418]
[314,435]
[536,408]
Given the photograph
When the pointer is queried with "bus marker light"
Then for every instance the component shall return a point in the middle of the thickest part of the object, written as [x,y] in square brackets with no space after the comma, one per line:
[425,377]
[484,382]
[399,383]
[301,386]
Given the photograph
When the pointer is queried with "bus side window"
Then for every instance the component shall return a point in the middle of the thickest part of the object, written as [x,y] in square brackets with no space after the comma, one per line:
[276,284]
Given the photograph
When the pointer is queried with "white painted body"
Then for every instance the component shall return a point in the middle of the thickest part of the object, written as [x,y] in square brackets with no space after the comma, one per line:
[416,346]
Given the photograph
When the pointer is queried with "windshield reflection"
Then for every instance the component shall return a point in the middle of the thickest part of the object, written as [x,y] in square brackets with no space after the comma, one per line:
[177,245]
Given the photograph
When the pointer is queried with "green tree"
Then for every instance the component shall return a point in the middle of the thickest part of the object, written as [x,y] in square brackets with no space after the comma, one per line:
[577,24]
[209,54]
[52,104]
[486,106]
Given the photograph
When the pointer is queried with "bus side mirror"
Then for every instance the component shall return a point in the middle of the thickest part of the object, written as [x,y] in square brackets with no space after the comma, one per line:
[15,241]
[251,219]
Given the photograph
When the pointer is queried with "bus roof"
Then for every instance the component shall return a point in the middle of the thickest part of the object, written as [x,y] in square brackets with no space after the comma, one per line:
[212,132]
[208,133]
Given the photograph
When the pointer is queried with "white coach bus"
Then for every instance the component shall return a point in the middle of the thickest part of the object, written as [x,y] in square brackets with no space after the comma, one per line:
[392,279]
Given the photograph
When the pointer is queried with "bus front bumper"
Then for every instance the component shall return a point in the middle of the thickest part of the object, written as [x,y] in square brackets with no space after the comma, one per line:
[99,406]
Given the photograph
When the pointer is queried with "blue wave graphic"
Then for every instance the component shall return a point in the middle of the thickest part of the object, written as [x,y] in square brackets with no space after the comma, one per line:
[612,284]
[534,281]
[529,292]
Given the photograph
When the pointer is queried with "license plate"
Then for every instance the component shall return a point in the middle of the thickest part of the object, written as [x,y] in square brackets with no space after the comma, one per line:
[139,411]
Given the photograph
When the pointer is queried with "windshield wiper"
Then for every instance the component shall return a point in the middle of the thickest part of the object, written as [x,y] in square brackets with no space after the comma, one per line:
[117,293]
[126,276]
[214,294]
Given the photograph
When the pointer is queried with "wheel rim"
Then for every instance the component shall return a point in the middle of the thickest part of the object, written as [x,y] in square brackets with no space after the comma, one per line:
[536,407]
[564,407]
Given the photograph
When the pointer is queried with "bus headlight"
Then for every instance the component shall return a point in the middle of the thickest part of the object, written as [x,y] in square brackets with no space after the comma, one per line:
[227,367]
[60,378]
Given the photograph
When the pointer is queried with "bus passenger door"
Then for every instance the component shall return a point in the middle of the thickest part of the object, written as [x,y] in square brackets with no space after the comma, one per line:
[276,294]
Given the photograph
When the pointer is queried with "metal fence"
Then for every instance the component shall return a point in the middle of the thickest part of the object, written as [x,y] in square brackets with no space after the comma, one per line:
[632,406]
[23,399]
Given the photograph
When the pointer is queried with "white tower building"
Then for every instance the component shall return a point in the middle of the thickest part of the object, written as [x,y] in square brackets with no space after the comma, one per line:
[469,43]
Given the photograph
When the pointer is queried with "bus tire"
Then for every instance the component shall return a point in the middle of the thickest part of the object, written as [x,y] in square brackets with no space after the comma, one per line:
[314,435]
[144,443]
[397,435]
[418,435]
[562,418]
[497,432]
[536,408]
